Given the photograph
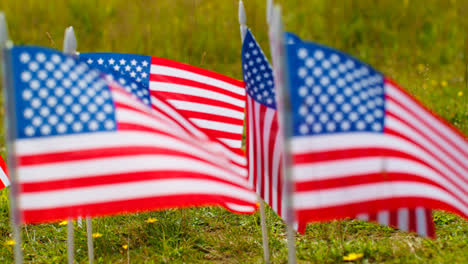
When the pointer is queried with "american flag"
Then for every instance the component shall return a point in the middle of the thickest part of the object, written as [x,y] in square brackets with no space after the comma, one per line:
[263,139]
[87,147]
[213,102]
[264,152]
[4,179]
[361,145]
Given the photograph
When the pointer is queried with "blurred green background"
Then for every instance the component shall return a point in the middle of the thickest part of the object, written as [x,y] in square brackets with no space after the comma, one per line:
[419,43]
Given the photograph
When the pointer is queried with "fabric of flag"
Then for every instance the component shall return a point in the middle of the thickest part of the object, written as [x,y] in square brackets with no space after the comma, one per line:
[213,102]
[262,117]
[361,144]
[86,147]
[263,140]
[4,179]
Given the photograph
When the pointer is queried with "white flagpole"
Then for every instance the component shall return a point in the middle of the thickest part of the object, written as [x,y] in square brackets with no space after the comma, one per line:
[266,250]
[10,124]
[69,47]
[276,34]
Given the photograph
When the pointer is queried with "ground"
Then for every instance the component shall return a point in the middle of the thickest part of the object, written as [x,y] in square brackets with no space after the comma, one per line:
[420,44]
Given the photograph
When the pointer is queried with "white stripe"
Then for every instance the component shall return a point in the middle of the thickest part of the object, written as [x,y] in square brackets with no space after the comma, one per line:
[195,91]
[258,149]
[422,114]
[169,71]
[360,166]
[421,221]
[370,192]
[399,126]
[129,191]
[240,208]
[209,109]
[277,150]
[215,125]
[403,219]
[383,217]
[233,143]
[251,136]
[4,178]
[363,217]
[120,165]
[266,152]
[182,120]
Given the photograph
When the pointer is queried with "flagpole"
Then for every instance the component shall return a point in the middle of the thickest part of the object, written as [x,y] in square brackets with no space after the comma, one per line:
[10,124]
[261,203]
[276,34]
[69,47]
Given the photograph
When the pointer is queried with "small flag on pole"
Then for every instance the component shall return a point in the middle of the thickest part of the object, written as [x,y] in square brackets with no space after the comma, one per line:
[85,146]
[264,151]
[360,144]
[4,179]
[212,101]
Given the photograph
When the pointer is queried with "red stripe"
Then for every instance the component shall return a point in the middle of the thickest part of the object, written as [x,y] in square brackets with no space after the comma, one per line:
[186,67]
[429,125]
[223,134]
[393,218]
[117,178]
[255,144]
[352,209]
[271,153]
[427,110]
[192,83]
[432,142]
[213,117]
[430,224]
[196,99]
[261,121]
[361,153]
[412,217]
[128,206]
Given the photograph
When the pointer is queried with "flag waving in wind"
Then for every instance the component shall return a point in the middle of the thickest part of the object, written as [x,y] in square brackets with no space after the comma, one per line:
[212,101]
[86,147]
[361,144]
[264,150]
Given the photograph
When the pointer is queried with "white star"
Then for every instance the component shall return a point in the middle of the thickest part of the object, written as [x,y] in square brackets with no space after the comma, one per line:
[144,74]
[116,67]
[127,68]
[133,62]
[138,79]
[122,62]
[145,63]
[24,57]
[133,74]
[90,61]
[138,69]
[111,61]
[100,61]
[251,44]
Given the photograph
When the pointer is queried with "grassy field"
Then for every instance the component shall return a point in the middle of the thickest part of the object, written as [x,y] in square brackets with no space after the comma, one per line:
[420,44]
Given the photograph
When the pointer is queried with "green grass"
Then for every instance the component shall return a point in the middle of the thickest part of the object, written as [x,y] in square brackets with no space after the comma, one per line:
[420,44]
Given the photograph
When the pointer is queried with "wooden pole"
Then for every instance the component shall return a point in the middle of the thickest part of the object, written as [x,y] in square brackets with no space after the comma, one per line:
[266,250]
[10,124]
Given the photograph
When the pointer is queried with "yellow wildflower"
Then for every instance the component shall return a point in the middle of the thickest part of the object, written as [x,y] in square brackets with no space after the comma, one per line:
[353,256]
[10,242]
[125,246]
[460,93]
[96,235]
[64,222]
[420,67]
[151,220]
[444,83]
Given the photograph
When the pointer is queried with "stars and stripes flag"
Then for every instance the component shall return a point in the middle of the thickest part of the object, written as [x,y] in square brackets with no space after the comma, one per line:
[212,101]
[360,144]
[86,147]
[264,149]
[4,179]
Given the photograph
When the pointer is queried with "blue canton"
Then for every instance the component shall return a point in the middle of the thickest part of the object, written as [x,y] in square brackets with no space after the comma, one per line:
[332,92]
[258,75]
[58,95]
[130,70]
